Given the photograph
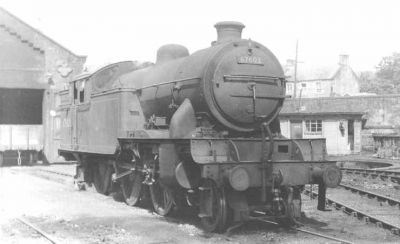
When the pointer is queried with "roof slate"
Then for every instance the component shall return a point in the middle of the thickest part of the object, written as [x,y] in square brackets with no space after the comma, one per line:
[319,106]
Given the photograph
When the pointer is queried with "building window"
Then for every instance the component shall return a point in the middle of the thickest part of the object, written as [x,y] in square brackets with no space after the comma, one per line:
[313,126]
[318,84]
[82,91]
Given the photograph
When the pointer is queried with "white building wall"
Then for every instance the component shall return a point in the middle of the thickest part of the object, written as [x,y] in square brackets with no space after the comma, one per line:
[336,143]
[307,89]
[285,128]
[346,83]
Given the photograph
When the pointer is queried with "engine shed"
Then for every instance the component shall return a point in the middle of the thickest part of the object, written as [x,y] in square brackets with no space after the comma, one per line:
[32,68]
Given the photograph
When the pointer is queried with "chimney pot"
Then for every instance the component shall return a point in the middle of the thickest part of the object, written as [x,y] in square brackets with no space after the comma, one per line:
[344,59]
[229,30]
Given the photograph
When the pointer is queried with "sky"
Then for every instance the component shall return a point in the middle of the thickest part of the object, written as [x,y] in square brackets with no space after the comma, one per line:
[110,31]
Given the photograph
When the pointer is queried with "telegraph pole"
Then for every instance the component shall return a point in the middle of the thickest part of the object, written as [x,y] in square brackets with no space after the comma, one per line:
[295,71]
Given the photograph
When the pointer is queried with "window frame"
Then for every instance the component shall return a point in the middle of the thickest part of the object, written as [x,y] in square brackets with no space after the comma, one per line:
[313,127]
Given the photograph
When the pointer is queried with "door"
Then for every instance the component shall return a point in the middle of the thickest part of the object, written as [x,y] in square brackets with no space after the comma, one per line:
[296,129]
[350,134]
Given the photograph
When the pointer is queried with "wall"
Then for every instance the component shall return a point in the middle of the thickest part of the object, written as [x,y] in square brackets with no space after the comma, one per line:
[345,82]
[336,143]
[285,128]
[310,89]
[20,65]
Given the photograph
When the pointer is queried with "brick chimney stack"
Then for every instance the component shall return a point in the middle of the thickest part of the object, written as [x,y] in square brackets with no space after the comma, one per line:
[344,59]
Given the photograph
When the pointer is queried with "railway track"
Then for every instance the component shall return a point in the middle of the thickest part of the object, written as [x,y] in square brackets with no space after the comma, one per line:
[358,213]
[370,194]
[311,233]
[386,175]
[38,230]
[52,175]
[55,173]
[66,175]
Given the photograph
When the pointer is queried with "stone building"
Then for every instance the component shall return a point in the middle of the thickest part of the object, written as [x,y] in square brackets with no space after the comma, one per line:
[328,81]
[32,67]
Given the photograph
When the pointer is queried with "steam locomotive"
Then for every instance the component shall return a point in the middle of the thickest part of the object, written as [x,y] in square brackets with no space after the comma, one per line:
[199,130]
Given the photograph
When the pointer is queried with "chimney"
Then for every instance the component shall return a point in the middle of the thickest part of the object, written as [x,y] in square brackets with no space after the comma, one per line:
[229,30]
[344,60]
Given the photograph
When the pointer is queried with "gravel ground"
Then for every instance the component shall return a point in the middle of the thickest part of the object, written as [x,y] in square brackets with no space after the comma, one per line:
[86,217]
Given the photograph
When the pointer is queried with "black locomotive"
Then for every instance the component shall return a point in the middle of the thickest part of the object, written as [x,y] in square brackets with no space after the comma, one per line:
[199,129]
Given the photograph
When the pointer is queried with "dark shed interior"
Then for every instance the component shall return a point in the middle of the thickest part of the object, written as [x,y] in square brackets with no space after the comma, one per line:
[21,106]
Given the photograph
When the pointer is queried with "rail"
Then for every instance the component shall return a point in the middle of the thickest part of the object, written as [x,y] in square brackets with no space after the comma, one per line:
[55,172]
[38,230]
[389,200]
[393,176]
[357,213]
[311,233]
[297,229]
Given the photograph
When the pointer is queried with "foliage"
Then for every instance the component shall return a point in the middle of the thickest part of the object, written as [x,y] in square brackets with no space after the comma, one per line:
[386,79]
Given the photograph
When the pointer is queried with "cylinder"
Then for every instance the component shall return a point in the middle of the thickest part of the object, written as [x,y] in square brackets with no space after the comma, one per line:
[238,178]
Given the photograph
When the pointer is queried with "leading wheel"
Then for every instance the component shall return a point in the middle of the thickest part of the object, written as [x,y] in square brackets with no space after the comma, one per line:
[162,198]
[131,187]
[219,219]
[102,177]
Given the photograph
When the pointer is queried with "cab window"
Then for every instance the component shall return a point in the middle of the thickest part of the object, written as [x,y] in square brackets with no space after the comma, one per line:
[82,91]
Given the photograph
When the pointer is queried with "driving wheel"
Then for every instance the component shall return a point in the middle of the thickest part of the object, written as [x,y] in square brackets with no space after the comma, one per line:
[162,198]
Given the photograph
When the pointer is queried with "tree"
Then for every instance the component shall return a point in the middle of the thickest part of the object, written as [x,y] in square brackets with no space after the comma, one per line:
[386,79]
[389,68]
